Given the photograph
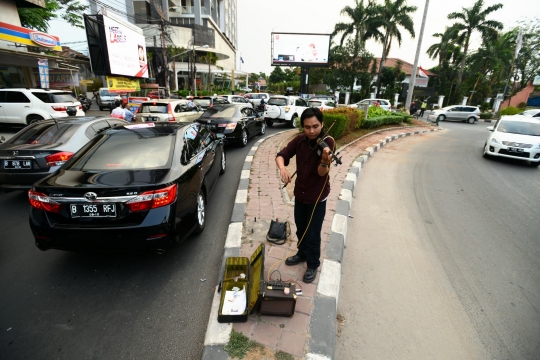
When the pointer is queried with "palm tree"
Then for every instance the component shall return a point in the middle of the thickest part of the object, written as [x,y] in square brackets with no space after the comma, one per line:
[210,59]
[470,20]
[395,15]
[446,44]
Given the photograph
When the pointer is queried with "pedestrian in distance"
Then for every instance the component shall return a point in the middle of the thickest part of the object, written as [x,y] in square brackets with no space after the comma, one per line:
[128,115]
[413,109]
[190,104]
[423,108]
[118,111]
[311,188]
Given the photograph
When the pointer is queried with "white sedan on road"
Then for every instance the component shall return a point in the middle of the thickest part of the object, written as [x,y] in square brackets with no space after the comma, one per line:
[515,137]
[383,103]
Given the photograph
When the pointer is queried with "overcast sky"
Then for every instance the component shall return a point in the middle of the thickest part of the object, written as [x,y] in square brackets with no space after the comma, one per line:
[257,19]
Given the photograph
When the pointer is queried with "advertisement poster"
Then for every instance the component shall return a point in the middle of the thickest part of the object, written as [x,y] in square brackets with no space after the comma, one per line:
[126,48]
[300,49]
[122,85]
[43,69]
[60,79]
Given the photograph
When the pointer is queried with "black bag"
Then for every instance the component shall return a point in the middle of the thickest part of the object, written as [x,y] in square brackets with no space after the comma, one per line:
[278,232]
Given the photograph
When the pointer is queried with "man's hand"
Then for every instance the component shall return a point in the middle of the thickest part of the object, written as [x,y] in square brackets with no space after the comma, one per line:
[285,175]
[326,156]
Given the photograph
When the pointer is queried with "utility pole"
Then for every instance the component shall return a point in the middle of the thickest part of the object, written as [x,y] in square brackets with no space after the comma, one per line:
[418,47]
[164,54]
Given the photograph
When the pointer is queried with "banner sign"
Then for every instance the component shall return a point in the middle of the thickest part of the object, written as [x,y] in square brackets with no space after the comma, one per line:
[122,85]
[133,103]
[30,37]
[60,79]
[536,80]
[43,70]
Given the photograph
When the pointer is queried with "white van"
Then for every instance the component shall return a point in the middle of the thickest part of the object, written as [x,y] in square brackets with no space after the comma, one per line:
[105,99]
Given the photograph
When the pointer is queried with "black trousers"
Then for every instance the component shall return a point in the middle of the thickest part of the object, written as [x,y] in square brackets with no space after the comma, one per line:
[310,246]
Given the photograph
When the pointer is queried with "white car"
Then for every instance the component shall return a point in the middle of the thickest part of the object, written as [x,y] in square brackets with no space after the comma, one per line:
[322,104]
[255,98]
[515,137]
[236,99]
[532,113]
[284,109]
[467,113]
[169,110]
[383,103]
[25,106]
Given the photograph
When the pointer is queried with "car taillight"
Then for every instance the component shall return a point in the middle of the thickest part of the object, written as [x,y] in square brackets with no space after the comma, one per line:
[170,113]
[153,199]
[43,202]
[59,108]
[80,107]
[229,126]
[58,158]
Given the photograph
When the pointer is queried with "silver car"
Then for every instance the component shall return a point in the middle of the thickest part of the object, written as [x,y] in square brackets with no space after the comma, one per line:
[471,114]
[161,110]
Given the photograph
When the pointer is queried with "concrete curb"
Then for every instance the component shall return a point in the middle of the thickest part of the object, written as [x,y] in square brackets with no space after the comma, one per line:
[323,325]
[217,334]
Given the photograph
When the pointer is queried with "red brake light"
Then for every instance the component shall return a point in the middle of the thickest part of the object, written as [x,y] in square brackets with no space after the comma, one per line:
[43,202]
[58,158]
[153,199]
[169,111]
[59,108]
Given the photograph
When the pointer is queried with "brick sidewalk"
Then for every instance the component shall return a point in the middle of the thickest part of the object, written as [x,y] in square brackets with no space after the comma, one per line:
[265,202]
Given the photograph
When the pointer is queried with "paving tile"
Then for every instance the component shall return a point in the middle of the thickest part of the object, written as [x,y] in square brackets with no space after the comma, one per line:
[304,305]
[277,252]
[292,343]
[308,290]
[299,323]
[245,328]
[266,334]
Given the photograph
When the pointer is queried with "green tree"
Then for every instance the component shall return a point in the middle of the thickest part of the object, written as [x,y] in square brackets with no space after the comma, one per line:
[396,15]
[528,60]
[277,75]
[262,75]
[39,18]
[348,67]
[210,59]
[470,20]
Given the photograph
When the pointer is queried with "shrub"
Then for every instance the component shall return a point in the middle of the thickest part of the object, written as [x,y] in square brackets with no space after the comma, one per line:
[354,115]
[376,121]
[486,115]
[485,106]
[374,111]
[510,110]
[522,105]
[341,122]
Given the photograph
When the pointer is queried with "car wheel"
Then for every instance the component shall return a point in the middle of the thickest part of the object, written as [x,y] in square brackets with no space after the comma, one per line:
[263,128]
[244,139]
[269,122]
[200,215]
[471,120]
[33,118]
[442,118]
[223,162]
[293,121]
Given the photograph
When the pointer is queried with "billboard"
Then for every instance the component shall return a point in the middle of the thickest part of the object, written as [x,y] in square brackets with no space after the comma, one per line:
[126,48]
[300,49]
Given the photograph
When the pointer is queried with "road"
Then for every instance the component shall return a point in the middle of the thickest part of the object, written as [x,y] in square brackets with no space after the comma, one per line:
[442,259]
[140,305]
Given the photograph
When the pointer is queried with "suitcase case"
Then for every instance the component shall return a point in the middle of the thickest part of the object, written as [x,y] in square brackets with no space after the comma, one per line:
[276,303]
[253,268]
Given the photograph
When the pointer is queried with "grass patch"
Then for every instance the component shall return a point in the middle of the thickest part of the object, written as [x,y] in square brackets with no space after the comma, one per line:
[280,355]
[239,345]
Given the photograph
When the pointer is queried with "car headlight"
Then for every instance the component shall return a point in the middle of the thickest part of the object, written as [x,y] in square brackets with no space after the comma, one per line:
[495,141]
[287,109]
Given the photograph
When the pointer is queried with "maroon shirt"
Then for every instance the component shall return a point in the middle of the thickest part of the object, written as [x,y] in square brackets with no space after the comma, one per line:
[308,183]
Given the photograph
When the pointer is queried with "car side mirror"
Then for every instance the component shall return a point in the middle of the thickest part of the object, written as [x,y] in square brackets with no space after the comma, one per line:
[2,139]
[490,128]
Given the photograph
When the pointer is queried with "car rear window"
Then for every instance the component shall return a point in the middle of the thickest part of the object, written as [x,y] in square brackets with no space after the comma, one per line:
[314,103]
[202,102]
[519,127]
[277,101]
[156,108]
[45,133]
[61,97]
[127,150]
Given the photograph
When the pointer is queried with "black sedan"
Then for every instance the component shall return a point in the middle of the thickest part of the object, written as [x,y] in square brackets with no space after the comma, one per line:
[237,122]
[141,186]
[42,147]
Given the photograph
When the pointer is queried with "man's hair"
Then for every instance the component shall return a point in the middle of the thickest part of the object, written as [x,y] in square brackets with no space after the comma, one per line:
[311,112]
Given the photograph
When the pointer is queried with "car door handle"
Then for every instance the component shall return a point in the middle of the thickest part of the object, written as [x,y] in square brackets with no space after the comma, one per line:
[26,106]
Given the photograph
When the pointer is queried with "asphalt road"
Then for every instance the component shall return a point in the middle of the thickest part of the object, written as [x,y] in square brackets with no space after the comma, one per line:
[139,305]
[443,256]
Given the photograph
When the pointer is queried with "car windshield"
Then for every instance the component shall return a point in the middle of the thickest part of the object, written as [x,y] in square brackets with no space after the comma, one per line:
[115,152]
[202,102]
[519,127]
[154,108]
[277,101]
[44,133]
[105,92]
[314,103]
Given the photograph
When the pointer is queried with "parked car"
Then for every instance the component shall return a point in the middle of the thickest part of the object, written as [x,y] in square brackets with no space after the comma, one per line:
[284,109]
[206,102]
[321,97]
[255,98]
[237,123]
[107,198]
[167,110]
[515,137]
[106,99]
[471,114]
[236,99]
[25,106]
[322,104]
[383,103]
[532,113]
[42,147]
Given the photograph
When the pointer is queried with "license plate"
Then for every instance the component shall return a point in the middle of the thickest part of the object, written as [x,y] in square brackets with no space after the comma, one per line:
[17,164]
[516,150]
[151,118]
[93,210]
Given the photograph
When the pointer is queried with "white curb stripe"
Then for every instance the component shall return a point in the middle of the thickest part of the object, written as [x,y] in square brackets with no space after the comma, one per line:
[329,279]
[241,197]
[249,158]
[346,195]
[339,225]
[311,356]
[351,177]
[370,150]
[244,174]
[254,148]
[234,235]
[217,333]
[357,164]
